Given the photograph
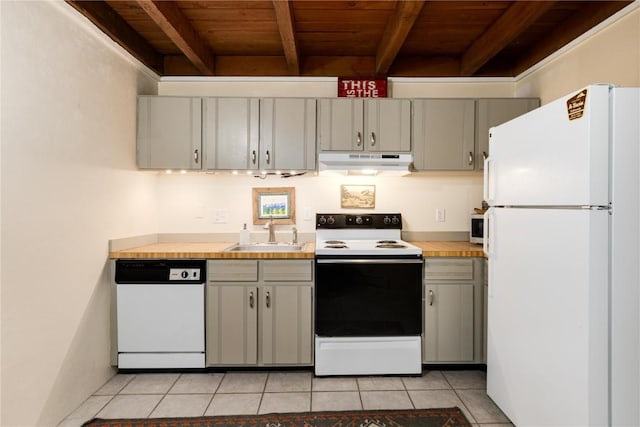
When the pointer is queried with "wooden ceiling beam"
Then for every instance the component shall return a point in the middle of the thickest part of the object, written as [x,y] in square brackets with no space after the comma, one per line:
[175,25]
[395,33]
[286,26]
[113,25]
[515,20]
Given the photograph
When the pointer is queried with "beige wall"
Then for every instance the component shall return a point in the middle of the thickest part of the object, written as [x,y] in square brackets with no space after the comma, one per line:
[187,202]
[611,55]
[69,184]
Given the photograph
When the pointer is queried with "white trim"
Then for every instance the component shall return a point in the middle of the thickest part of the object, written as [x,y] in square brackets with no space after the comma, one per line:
[252,79]
[564,49]
[452,79]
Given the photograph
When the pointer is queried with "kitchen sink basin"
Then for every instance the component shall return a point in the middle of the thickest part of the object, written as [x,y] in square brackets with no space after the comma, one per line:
[266,247]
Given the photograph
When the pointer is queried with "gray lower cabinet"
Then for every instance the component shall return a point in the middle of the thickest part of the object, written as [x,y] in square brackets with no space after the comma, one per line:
[259,312]
[169,132]
[266,134]
[452,310]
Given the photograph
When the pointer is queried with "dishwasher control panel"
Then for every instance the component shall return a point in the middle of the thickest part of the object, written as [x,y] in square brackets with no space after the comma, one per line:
[188,271]
[179,274]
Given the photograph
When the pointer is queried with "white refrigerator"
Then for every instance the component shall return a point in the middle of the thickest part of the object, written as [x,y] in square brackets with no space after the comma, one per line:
[563,247]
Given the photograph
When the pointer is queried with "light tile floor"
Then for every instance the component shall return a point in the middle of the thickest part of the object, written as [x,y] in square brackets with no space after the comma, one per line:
[156,395]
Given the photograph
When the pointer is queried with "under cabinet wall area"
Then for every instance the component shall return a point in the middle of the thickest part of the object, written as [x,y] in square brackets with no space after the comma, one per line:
[259,312]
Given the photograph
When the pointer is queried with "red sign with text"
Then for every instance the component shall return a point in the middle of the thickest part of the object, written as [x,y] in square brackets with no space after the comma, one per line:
[362,88]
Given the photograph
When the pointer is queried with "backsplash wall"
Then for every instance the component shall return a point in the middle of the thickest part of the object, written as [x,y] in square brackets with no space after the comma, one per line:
[188,203]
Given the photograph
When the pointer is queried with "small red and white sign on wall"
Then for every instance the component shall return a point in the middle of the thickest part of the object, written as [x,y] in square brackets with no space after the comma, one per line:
[362,88]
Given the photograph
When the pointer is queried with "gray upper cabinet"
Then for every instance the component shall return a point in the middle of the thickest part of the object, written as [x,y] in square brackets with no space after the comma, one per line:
[260,134]
[376,124]
[169,134]
[493,112]
[231,133]
[443,134]
[287,134]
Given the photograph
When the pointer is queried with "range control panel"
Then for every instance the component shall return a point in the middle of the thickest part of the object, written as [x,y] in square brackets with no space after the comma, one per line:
[373,221]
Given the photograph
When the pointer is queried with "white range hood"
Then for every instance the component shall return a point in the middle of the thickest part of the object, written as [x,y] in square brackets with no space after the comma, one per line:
[364,163]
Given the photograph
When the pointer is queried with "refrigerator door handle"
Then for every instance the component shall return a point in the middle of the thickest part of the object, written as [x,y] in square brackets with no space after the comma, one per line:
[489,184]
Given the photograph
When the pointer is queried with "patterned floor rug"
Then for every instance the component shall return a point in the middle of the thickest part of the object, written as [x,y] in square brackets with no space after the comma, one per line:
[441,417]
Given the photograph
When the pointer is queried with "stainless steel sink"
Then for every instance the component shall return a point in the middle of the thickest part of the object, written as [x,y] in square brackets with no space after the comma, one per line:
[266,247]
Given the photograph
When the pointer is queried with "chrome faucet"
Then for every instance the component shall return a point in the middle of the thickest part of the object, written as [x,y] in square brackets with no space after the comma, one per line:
[295,236]
[271,227]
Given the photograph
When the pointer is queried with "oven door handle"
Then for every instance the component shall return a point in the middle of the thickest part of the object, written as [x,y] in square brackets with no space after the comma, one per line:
[369,261]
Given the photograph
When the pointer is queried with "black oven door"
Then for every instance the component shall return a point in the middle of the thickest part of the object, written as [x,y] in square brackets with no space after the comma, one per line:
[368,297]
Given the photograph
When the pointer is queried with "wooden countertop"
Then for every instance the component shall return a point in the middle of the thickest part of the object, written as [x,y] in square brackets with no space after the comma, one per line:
[454,249]
[215,251]
[205,250]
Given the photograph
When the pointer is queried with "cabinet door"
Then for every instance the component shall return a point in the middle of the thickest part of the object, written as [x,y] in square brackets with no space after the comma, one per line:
[387,125]
[448,329]
[443,134]
[232,324]
[340,124]
[286,328]
[287,134]
[169,134]
[231,133]
[493,112]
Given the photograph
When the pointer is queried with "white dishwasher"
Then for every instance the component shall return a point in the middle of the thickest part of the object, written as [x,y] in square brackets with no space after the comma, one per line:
[160,313]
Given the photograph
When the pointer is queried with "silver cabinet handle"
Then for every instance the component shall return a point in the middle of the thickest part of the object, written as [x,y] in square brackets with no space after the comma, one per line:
[359,139]
[470,158]
[484,155]
[430,297]
[373,139]
[196,155]
[268,300]
[253,157]
[251,300]
[268,157]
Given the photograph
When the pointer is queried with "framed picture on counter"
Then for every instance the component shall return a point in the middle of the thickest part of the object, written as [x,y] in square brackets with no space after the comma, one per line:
[358,196]
[274,203]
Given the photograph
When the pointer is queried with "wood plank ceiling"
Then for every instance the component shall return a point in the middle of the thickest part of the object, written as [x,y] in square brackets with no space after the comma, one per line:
[414,38]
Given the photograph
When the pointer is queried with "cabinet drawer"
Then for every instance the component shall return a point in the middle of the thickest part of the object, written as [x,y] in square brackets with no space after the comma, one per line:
[287,271]
[232,271]
[448,269]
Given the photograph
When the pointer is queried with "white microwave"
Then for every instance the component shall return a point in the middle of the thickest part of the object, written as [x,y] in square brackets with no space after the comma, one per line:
[476,230]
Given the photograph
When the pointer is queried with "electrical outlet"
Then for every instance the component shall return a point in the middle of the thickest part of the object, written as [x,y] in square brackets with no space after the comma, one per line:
[220,216]
[440,215]
[307,214]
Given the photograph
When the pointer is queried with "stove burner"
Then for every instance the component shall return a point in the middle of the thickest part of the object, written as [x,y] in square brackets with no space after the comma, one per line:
[390,246]
[382,242]
[337,246]
[335,242]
